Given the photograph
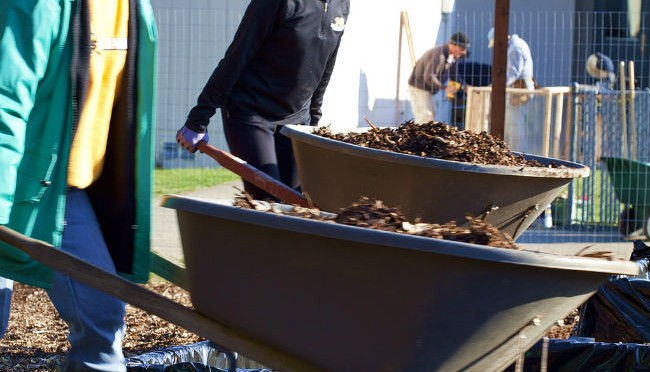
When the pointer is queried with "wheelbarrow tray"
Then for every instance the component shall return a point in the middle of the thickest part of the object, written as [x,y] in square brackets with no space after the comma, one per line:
[345,298]
[630,180]
[334,174]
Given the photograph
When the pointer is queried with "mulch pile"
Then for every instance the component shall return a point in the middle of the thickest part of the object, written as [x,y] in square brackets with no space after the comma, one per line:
[373,214]
[435,140]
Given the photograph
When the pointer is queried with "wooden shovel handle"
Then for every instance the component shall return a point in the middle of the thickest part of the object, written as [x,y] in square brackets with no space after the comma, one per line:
[254,176]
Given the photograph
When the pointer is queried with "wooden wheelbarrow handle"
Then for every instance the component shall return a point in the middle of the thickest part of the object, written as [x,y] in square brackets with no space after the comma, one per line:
[151,302]
[254,176]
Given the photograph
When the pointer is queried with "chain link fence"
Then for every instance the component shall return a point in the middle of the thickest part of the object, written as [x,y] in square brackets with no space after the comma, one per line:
[569,117]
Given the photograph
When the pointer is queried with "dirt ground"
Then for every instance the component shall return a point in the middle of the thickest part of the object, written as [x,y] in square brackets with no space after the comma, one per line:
[36,339]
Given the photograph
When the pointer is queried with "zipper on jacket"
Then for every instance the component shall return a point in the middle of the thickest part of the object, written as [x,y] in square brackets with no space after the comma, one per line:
[325,20]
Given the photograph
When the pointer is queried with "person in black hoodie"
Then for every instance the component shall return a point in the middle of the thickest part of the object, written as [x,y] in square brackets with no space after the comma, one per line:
[274,73]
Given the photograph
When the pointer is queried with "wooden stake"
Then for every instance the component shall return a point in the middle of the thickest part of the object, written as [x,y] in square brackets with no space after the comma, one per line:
[499,62]
[623,107]
[409,38]
[403,25]
[630,79]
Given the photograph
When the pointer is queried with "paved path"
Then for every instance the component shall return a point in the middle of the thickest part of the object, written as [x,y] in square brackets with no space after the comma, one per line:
[166,240]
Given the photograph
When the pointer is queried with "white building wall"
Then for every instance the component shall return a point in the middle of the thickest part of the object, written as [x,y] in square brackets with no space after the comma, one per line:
[364,83]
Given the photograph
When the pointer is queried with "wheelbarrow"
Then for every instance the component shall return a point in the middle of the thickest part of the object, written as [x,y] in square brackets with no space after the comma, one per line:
[346,298]
[317,296]
[631,182]
[334,174]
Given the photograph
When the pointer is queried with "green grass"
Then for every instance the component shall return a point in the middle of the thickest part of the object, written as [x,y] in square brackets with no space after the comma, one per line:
[182,180]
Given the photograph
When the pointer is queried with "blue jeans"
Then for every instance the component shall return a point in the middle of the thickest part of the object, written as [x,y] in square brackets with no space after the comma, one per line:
[95,319]
[6,288]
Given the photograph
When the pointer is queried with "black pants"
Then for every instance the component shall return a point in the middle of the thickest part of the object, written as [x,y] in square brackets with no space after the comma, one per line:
[262,146]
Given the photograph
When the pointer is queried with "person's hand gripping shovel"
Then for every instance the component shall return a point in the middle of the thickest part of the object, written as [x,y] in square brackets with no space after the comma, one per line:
[193,141]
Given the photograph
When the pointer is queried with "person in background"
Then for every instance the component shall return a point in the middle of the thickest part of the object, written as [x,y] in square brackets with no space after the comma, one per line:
[601,68]
[77,95]
[431,73]
[274,73]
[519,74]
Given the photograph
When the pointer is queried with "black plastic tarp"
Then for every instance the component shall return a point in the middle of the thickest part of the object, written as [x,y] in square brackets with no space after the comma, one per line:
[618,312]
[202,356]
[579,355]
[613,333]
[620,309]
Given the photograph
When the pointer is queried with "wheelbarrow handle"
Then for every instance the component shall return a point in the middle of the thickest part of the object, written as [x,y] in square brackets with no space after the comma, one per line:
[151,302]
[254,176]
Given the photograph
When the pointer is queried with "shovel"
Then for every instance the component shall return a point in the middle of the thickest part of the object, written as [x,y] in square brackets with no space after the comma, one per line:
[255,176]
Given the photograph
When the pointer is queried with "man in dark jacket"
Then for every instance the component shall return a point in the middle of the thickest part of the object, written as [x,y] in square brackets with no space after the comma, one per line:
[430,74]
[274,73]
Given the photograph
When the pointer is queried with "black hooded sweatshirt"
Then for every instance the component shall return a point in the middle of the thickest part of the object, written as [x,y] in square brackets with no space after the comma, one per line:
[278,65]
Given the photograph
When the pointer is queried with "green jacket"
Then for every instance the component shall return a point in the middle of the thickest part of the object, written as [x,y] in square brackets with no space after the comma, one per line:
[42,76]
